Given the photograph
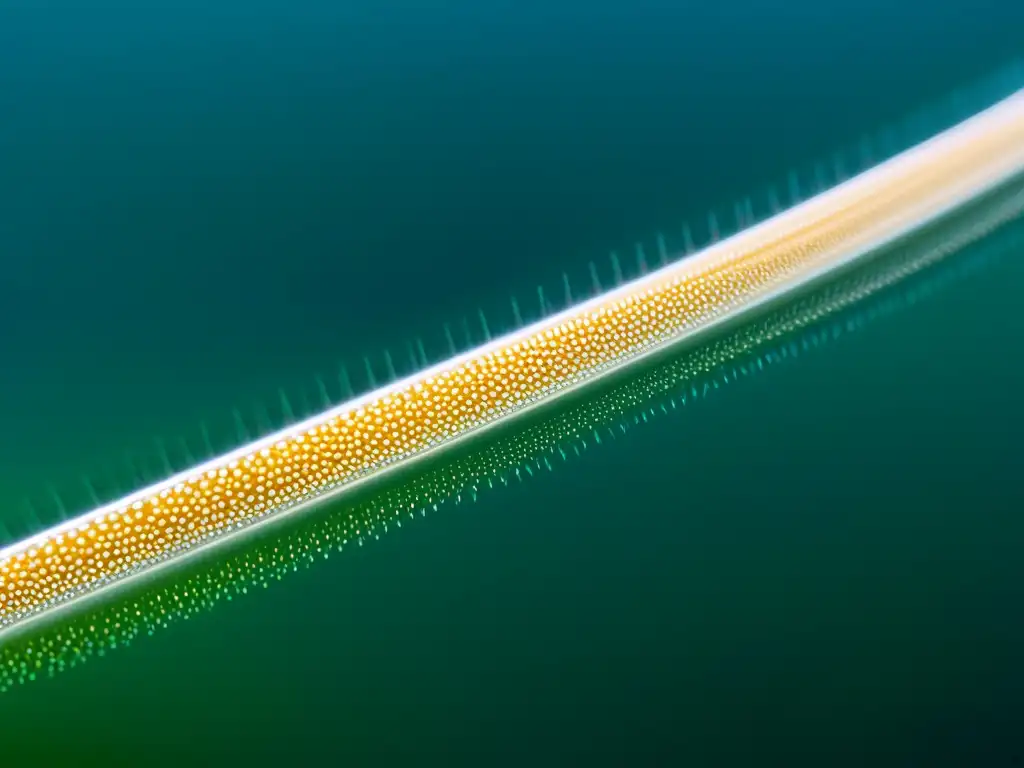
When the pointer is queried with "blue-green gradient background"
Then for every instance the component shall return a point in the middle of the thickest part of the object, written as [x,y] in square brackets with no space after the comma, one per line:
[200,202]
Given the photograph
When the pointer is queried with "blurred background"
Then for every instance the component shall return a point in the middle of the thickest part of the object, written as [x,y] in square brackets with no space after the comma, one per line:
[203,202]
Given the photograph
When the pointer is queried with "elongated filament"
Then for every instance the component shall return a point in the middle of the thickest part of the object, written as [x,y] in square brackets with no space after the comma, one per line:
[410,418]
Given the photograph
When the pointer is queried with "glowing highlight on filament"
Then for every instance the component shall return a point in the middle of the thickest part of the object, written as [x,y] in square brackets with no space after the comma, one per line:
[414,416]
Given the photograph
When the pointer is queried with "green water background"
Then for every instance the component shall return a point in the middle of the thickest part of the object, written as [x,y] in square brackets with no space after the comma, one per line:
[818,568]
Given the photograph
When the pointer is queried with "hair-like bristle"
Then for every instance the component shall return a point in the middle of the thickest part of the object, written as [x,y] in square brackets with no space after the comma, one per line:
[814,320]
[823,175]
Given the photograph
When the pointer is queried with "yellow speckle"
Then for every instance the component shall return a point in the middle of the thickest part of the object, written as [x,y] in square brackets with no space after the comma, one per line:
[499,381]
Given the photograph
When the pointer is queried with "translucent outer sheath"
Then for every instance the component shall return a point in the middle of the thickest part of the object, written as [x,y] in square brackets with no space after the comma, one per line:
[411,417]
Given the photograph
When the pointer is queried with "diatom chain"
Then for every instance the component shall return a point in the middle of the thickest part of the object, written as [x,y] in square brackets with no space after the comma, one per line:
[106,620]
[412,417]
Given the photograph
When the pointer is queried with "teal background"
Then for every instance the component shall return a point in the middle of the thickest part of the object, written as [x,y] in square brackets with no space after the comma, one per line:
[202,202]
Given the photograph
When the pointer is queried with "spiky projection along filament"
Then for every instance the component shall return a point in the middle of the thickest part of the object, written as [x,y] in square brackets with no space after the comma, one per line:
[536,444]
[413,417]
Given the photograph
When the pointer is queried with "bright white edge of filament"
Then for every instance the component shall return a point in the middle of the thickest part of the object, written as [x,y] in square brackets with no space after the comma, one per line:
[1010,109]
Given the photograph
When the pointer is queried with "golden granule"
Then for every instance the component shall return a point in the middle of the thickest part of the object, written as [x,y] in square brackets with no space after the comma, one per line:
[476,389]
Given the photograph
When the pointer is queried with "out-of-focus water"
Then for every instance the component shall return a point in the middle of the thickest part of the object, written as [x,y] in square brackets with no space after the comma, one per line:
[201,203]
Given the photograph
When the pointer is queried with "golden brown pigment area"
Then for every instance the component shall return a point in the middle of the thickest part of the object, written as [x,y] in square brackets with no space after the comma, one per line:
[498,379]
[689,377]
